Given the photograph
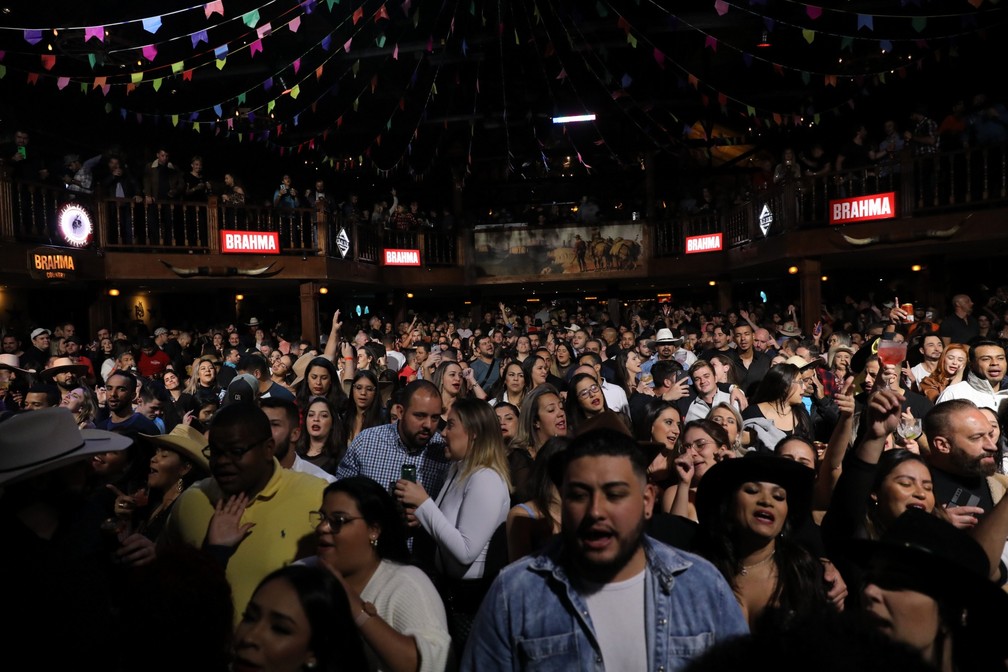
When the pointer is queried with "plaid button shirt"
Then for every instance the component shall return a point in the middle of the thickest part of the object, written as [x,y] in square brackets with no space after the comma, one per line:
[379,453]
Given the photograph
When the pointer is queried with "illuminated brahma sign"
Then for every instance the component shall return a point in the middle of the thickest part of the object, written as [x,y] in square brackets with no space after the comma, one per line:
[75,225]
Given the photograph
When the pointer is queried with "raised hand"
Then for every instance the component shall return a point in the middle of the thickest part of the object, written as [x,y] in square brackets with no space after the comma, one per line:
[226,528]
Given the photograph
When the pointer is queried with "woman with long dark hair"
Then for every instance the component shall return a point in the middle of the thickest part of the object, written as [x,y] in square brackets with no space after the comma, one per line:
[365,409]
[584,400]
[533,522]
[322,441]
[361,538]
[512,385]
[776,409]
[698,450]
[536,372]
[747,508]
[321,379]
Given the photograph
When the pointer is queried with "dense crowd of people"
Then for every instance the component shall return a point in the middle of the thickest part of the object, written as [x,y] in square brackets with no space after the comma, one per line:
[541,486]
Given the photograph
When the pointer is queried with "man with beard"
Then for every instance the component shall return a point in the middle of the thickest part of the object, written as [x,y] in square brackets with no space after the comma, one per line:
[253,514]
[64,373]
[120,391]
[963,461]
[381,452]
[284,423]
[74,347]
[604,595]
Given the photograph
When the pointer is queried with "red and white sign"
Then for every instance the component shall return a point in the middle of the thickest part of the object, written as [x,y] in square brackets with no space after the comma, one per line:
[402,257]
[863,208]
[710,242]
[250,242]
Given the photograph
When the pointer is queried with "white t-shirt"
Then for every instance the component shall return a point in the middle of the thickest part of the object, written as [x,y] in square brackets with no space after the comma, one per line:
[919,372]
[617,612]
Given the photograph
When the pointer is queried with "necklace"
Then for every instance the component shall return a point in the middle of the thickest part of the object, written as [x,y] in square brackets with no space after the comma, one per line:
[745,568]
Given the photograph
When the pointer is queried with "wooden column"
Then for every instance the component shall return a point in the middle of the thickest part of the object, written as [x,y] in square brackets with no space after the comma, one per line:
[810,280]
[322,227]
[309,312]
[724,296]
[213,224]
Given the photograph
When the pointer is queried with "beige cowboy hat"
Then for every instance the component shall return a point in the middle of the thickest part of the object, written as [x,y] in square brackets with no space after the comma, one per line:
[300,367]
[12,363]
[62,365]
[789,329]
[186,441]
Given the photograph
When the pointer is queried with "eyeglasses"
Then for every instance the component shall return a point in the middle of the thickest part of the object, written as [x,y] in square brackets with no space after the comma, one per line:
[363,388]
[697,445]
[212,452]
[335,523]
[588,391]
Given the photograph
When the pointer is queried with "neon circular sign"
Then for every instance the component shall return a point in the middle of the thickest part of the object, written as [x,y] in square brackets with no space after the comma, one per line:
[75,224]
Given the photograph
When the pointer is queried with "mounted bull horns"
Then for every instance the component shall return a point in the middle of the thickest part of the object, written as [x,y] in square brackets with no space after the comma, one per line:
[222,271]
[905,237]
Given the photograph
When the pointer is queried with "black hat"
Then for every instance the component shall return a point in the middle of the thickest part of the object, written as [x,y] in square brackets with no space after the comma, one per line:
[724,479]
[923,553]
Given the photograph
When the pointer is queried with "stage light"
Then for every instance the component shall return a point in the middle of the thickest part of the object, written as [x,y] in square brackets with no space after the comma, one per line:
[573,118]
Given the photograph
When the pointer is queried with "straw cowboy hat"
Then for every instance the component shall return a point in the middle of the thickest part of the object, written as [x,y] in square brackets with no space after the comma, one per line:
[12,363]
[62,365]
[40,441]
[789,329]
[300,367]
[186,441]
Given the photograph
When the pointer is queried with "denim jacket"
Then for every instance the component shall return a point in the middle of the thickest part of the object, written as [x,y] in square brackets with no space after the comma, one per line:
[534,619]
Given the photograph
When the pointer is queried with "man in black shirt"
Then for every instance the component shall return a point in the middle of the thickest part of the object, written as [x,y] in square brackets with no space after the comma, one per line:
[963,460]
[960,326]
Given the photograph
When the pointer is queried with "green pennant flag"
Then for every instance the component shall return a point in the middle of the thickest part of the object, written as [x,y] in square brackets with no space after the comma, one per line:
[251,18]
[847,43]
[602,11]
[136,77]
[177,67]
[3,71]
[631,40]
[356,67]
[195,127]
[83,87]
[157,84]
[388,125]
[220,63]
[416,17]
[270,105]
[919,23]
[296,91]
[750,110]
[331,3]
[805,78]
[472,8]
[174,120]
[815,117]
[809,35]
[356,104]
[381,41]
[241,98]
[92,60]
[108,108]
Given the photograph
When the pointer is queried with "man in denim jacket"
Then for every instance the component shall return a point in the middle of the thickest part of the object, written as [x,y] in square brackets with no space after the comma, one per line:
[605,596]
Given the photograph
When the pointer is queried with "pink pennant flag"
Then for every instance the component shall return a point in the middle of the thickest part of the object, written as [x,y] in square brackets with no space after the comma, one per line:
[430,43]
[813,12]
[96,32]
[264,30]
[105,88]
[217,6]
[721,7]
[659,57]
[254,47]
[563,74]
[149,52]
[294,24]
[297,65]
[61,83]
[395,52]
[346,45]
[48,61]
[711,43]
[406,6]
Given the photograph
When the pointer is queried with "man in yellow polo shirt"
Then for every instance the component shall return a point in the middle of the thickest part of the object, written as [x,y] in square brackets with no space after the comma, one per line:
[274,528]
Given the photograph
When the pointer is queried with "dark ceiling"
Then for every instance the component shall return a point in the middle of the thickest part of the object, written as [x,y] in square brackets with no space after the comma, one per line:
[466,88]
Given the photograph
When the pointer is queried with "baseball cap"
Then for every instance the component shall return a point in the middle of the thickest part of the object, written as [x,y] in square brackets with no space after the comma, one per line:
[38,332]
[160,330]
[243,388]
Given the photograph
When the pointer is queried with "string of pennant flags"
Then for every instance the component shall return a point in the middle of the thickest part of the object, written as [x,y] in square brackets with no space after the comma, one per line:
[313,66]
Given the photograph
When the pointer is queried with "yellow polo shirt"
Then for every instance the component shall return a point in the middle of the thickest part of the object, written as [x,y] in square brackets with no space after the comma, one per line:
[282,532]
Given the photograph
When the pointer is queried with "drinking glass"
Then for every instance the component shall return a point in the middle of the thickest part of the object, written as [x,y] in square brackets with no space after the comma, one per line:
[909,429]
[891,353]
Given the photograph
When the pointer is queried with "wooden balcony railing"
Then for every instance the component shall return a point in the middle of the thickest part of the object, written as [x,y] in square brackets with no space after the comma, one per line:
[948,180]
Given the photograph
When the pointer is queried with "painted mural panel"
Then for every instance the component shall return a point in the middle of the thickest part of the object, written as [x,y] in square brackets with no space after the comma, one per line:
[521,250]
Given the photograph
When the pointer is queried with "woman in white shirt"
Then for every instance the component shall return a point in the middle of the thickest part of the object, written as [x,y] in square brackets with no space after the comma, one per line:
[472,505]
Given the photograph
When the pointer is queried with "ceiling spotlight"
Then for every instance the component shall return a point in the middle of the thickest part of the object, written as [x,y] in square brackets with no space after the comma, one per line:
[916,268]
[712,283]
[323,290]
[239,297]
[764,42]
[113,292]
[793,270]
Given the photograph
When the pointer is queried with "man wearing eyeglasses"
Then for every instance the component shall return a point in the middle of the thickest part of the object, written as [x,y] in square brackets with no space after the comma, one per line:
[253,514]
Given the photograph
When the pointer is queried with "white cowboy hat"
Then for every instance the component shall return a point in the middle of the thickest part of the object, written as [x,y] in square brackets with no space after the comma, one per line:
[12,363]
[61,365]
[40,441]
[666,336]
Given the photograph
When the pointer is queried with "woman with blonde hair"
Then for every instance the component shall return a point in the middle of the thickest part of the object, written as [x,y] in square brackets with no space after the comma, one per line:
[82,403]
[950,370]
[472,505]
[203,380]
